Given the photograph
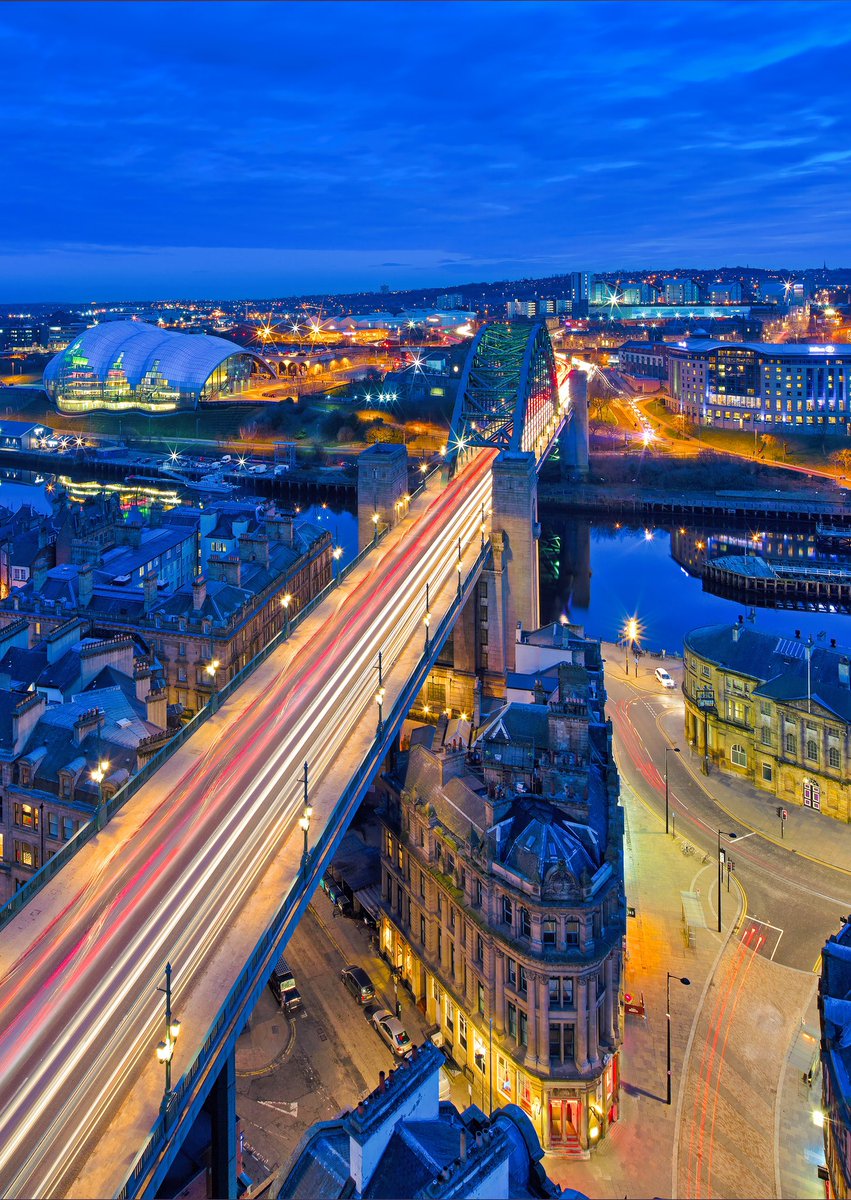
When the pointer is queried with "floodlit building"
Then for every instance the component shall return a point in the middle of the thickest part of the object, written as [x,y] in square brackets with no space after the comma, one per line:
[503,901]
[775,711]
[123,365]
[800,388]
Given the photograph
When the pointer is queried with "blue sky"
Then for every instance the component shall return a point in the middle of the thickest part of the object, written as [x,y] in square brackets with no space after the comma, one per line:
[263,149]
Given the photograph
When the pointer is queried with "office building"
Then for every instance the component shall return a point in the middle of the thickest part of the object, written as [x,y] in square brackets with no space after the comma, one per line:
[679,290]
[725,293]
[503,903]
[643,360]
[450,300]
[739,385]
[128,365]
[775,711]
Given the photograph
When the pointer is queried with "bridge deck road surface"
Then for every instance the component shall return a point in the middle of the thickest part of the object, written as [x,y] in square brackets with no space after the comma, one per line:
[194,866]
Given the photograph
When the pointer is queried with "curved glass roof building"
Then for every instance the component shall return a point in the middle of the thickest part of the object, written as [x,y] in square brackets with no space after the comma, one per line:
[123,365]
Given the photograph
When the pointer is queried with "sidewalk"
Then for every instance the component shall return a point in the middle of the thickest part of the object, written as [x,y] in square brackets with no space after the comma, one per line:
[638,1156]
[805,832]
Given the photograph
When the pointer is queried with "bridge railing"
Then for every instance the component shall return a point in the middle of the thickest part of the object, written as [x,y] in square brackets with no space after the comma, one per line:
[267,950]
[54,864]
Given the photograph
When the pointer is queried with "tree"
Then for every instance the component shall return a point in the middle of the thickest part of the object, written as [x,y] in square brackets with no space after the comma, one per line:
[842,459]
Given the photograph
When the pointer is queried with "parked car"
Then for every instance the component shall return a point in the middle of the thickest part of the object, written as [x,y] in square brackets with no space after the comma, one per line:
[282,984]
[392,1031]
[358,983]
[664,678]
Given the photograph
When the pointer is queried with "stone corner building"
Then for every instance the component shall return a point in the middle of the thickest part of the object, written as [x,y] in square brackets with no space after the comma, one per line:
[773,710]
[503,902]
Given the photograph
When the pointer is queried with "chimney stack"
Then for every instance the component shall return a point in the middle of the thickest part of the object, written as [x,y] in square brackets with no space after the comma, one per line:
[199,592]
[149,586]
[85,585]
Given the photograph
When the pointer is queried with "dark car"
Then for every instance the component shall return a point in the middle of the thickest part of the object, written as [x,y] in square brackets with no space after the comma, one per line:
[358,983]
[284,989]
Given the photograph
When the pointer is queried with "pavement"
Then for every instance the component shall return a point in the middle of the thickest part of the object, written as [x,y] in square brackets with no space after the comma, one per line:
[745,1125]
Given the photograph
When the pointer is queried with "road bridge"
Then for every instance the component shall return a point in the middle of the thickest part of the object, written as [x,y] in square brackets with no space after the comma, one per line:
[208,864]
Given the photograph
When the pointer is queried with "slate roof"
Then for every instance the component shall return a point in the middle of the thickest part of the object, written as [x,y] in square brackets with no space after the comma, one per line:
[539,837]
[778,666]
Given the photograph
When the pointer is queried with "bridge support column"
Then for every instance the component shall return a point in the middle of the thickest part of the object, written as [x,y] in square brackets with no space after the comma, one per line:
[382,488]
[221,1105]
[573,439]
[515,513]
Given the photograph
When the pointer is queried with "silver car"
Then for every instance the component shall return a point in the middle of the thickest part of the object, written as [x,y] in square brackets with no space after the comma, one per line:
[393,1032]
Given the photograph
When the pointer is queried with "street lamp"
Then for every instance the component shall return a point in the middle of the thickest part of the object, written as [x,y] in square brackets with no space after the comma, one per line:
[668,750]
[337,554]
[287,601]
[304,822]
[98,775]
[379,696]
[427,621]
[680,979]
[165,1050]
[460,568]
[375,527]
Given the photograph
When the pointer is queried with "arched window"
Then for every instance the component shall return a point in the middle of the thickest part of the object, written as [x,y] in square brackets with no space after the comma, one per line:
[738,755]
[833,757]
[812,750]
[790,743]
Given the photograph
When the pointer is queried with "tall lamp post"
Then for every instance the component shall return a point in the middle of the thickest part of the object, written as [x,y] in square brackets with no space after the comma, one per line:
[375,527]
[427,621]
[668,750]
[287,601]
[165,1050]
[680,979]
[379,696]
[304,823]
[460,568]
[337,554]
[98,775]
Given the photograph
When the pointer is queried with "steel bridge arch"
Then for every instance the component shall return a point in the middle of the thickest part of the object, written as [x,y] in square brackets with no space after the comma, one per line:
[508,393]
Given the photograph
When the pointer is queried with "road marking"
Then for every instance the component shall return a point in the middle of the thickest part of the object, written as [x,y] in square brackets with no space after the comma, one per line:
[288,1108]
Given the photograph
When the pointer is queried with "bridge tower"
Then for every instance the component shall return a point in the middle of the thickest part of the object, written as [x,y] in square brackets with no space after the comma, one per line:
[516,586]
[382,488]
[573,439]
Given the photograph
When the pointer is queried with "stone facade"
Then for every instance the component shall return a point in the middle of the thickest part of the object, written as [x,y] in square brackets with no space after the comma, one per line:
[503,901]
[775,711]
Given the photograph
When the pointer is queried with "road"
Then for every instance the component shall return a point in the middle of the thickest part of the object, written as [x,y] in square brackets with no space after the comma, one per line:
[771,875]
[170,876]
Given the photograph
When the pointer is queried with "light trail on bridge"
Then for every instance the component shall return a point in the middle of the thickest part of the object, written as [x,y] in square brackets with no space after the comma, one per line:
[80,1014]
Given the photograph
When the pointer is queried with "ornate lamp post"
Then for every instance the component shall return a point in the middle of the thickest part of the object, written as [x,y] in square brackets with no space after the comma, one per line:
[165,1050]
[98,775]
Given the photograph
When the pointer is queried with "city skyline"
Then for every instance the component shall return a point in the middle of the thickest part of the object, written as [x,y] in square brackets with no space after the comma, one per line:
[413,145]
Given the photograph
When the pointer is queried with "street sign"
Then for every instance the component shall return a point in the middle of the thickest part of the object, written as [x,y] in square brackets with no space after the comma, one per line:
[634,1004]
[705,699]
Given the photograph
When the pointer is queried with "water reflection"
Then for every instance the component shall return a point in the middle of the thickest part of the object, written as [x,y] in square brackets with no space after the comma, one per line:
[601,574]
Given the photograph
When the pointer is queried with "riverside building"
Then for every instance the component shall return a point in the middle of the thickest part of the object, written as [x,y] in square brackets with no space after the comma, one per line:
[762,385]
[503,901]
